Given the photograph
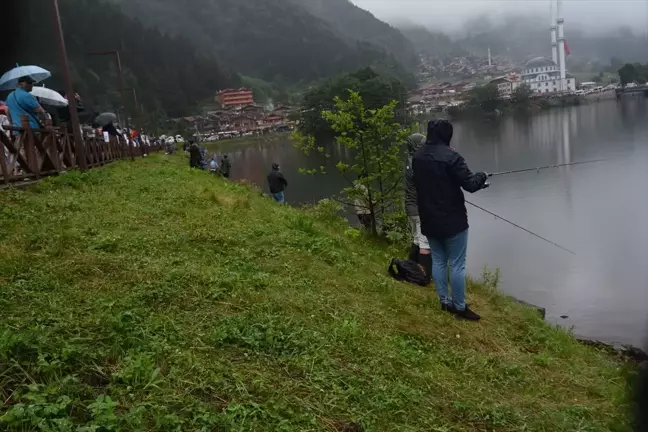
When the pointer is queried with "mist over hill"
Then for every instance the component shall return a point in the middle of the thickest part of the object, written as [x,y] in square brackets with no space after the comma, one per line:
[521,37]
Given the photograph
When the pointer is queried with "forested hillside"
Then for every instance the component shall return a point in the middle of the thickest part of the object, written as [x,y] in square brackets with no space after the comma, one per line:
[279,40]
[431,43]
[177,53]
[167,73]
[355,23]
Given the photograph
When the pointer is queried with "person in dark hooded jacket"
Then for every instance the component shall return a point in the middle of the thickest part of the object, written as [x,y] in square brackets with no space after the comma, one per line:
[277,184]
[226,166]
[195,157]
[440,174]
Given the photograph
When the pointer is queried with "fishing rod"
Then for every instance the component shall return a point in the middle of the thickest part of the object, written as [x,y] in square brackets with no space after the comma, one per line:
[522,228]
[548,167]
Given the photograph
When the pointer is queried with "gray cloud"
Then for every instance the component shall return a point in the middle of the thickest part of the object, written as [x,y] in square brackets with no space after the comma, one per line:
[451,15]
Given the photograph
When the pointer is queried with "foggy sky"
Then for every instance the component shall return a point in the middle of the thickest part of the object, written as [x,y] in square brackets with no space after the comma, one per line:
[451,15]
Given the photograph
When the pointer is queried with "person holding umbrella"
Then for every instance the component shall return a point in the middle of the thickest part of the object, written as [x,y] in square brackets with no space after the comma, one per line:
[106,122]
[22,103]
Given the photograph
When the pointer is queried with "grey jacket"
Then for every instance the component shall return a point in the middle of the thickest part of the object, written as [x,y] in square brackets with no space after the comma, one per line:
[414,142]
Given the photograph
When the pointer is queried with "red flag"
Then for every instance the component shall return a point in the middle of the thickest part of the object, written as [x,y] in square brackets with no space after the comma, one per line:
[567,51]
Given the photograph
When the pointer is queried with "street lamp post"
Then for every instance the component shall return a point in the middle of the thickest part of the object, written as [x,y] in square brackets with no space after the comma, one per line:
[138,107]
[69,89]
[119,74]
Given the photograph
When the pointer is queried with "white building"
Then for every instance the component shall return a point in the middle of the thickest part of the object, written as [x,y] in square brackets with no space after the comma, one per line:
[543,75]
[506,85]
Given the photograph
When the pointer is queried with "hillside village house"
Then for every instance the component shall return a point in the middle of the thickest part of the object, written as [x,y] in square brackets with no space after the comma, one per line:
[238,119]
[235,97]
[436,97]
[507,84]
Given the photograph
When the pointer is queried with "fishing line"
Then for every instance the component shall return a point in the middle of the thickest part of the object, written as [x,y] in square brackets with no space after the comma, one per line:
[522,228]
[548,167]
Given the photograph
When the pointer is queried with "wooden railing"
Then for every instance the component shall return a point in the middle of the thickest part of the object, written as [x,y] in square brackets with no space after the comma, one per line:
[30,154]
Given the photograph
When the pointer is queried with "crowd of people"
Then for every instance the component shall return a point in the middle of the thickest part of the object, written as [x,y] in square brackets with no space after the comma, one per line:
[42,114]
[199,159]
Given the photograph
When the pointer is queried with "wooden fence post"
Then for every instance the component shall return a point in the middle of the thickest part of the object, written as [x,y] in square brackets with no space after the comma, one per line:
[112,150]
[91,151]
[122,146]
[30,148]
[132,149]
[102,150]
[50,145]
[4,168]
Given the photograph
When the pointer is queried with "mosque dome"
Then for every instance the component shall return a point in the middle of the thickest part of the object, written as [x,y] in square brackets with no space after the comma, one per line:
[539,62]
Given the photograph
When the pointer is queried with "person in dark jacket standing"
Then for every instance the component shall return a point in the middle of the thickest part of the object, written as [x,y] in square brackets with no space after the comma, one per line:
[440,174]
[420,248]
[194,155]
[226,166]
[277,184]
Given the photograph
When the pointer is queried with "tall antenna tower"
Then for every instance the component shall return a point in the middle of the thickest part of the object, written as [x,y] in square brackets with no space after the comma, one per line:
[561,46]
[554,32]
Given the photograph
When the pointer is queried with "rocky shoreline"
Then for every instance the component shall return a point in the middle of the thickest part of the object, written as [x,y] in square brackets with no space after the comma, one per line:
[626,352]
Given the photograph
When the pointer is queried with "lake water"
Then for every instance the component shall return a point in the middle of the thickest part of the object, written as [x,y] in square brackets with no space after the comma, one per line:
[598,210]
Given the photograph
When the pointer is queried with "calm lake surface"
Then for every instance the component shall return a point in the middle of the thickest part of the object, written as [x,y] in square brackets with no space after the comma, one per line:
[599,210]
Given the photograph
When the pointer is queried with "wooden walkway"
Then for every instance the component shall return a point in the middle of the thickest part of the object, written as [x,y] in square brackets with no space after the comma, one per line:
[30,154]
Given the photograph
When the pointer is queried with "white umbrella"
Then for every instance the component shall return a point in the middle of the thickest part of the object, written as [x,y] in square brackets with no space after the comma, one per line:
[9,80]
[49,97]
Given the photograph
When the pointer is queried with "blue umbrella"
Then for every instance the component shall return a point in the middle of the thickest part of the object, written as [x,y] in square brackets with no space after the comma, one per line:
[9,80]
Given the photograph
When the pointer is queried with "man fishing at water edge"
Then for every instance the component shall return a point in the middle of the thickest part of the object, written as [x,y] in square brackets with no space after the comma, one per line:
[439,175]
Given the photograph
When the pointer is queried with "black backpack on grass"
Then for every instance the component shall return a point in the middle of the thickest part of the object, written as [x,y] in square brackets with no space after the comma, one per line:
[408,271]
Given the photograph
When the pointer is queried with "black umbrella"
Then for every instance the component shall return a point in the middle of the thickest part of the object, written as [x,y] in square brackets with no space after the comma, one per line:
[105,119]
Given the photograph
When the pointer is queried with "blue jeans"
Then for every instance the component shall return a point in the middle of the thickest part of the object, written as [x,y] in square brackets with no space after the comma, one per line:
[452,252]
[279,197]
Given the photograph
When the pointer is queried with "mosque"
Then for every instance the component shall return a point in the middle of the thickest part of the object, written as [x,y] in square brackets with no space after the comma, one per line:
[543,74]
[549,75]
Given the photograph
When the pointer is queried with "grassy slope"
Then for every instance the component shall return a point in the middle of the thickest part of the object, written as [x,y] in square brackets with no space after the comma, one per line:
[196,304]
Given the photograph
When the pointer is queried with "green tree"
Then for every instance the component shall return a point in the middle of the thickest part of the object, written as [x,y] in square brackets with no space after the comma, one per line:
[375,174]
[615,64]
[627,74]
[486,97]
[642,73]
[522,94]
[376,90]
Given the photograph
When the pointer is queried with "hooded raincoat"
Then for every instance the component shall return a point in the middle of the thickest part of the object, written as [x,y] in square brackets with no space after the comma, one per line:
[440,174]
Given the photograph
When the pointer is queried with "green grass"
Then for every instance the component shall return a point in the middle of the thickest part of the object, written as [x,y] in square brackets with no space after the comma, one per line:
[146,296]
[245,141]
[588,76]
